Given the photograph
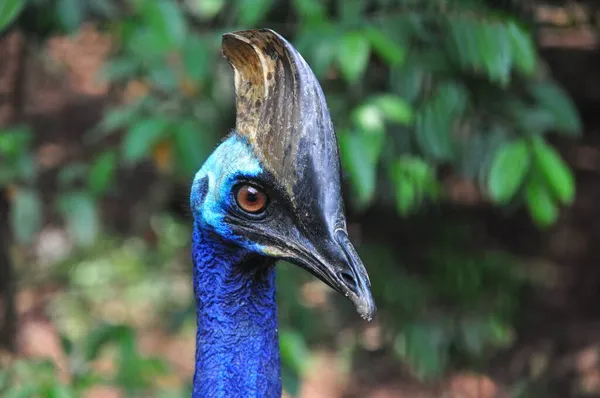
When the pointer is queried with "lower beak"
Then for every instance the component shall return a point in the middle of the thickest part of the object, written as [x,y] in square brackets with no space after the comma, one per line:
[338,265]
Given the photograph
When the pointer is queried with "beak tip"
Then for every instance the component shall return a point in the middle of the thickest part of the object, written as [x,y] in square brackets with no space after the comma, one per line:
[366,308]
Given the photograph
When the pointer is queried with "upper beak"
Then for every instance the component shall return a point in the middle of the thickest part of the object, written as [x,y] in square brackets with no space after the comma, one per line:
[336,263]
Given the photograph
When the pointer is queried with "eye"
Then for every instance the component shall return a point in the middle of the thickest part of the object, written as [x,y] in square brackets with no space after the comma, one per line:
[250,198]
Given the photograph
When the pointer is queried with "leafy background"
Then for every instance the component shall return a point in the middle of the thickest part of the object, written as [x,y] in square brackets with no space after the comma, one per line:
[449,122]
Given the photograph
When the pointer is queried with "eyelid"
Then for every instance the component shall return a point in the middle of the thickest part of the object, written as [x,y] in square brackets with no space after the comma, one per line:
[250,180]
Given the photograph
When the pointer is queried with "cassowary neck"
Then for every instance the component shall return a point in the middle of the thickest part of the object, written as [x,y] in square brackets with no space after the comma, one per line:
[237,347]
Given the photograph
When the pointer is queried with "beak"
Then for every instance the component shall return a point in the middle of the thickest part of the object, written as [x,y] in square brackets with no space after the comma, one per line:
[336,263]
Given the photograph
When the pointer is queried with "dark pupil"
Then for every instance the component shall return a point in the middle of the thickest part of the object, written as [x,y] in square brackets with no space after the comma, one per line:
[252,195]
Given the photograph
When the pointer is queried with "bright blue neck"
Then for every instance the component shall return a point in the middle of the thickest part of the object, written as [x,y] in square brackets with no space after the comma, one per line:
[237,346]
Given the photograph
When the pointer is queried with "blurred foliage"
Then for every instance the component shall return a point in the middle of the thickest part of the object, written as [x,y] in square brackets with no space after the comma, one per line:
[413,86]
[457,312]
[107,282]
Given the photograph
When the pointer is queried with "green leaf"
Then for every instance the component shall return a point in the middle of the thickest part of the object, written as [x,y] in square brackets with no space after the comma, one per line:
[9,11]
[540,202]
[15,141]
[165,18]
[508,170]
[353,55]
[196,58]
[118,118]
[253,11]
[26,214]
[206,9]
[558,104]
[192,145]
[406,197]
[102,173]
[501,334]
[407,81]
[350,11]
[100,337]
[556,173]
[59,391]
[66,344]
[425,347]
[290,381]
[531,121]
[454,97]
[319,43]
[312,11]
[142,137]
[79,211]
[481,46]
[522,48]
[323,56]
[71,13]
[436,119]
[294,352]
[496,54]
[149,44]
[461,41]
[413,179]
[390,51]
[478,151]
[129,375]
[416,168]
[360,152]
[369,118]
[394,108]
[433,134]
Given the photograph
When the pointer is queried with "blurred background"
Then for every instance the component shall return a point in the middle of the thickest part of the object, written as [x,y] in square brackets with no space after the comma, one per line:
[469,136]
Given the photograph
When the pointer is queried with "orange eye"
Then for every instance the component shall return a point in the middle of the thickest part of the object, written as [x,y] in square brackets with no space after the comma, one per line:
[251,199]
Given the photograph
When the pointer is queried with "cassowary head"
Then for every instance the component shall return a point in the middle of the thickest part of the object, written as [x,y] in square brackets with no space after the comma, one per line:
[273,186]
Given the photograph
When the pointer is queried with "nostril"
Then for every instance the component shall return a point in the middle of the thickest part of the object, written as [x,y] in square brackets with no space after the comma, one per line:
[349,280]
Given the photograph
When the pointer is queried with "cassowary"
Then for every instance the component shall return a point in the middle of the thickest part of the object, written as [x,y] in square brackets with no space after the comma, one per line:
[271,190]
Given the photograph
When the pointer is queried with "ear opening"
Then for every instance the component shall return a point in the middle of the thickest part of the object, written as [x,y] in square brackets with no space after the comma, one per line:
[198,194]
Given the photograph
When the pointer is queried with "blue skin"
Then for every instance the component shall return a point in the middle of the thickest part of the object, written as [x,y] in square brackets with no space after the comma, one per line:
[237,347]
